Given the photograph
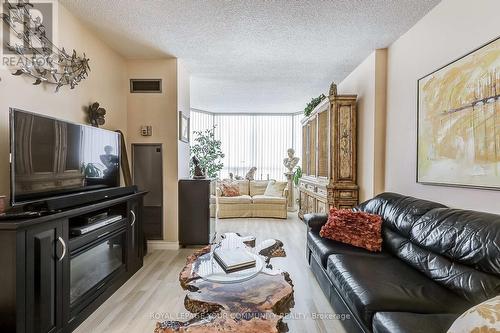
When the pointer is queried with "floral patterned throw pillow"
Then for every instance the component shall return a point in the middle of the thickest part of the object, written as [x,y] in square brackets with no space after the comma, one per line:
[230,190]
[355,228]
[482,318]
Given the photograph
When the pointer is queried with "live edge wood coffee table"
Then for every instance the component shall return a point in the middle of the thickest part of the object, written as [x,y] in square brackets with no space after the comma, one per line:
[252,301]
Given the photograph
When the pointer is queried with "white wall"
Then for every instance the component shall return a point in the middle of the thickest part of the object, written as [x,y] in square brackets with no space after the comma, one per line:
[159,110]
[453,28]
[184,105]
[106,84]
[368,82]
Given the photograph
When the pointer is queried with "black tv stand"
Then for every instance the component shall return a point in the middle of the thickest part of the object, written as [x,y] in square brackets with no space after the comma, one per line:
[62,202]
[49,282]
[20,215]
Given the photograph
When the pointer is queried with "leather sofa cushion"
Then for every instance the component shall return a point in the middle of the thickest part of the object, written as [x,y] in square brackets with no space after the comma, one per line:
[456,248]
[398,211]
[258,187]
[468,237]
[321,248]
[264,199]
[242,199]
[372,284]
[470,283]
[391,322]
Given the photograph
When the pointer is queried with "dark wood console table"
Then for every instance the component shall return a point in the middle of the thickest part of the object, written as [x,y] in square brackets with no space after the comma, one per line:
[51,280]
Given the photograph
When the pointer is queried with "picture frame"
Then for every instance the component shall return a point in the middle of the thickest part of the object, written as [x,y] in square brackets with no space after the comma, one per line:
[184,127]
[458,121]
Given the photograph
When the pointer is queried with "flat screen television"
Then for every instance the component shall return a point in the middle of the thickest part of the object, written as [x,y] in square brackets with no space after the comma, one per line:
[52,157]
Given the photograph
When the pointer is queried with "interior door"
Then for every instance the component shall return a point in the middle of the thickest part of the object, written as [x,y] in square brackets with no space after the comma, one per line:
[147,169]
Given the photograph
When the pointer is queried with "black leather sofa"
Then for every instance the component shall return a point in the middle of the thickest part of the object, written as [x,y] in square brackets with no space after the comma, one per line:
[436,262]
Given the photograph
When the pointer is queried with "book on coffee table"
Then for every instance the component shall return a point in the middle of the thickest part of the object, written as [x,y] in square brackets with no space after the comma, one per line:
[232,260]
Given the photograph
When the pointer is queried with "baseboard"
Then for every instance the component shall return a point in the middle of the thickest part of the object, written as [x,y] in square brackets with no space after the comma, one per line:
[162,245]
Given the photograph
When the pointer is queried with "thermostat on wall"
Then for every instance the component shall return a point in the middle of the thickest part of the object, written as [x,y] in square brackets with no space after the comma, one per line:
[146,130]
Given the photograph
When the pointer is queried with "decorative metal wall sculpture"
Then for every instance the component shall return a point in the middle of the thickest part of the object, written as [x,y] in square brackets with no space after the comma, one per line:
[44,62]
[96,115]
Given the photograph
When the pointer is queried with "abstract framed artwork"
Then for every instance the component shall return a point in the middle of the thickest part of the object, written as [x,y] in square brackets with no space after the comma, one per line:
[458,119]
[183,127]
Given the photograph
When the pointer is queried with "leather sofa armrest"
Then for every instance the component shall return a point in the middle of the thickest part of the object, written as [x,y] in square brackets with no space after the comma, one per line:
[315,221]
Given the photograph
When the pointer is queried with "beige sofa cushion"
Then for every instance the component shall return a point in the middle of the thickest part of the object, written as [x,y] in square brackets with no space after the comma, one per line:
[242,199]
[258,187]
[264,199]
[275,189]
[244,187]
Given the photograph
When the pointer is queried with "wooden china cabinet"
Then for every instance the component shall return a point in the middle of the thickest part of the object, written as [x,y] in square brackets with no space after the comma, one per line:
[329,155]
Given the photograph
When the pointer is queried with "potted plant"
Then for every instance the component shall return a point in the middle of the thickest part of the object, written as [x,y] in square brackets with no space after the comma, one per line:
[207,150]
[296,178]
[312,104]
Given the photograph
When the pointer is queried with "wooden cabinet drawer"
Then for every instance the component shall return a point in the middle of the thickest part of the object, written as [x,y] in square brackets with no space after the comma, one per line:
[346,194]
[347,204]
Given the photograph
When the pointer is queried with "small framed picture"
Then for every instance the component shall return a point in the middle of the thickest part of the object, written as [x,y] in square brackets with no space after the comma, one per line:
[183,127]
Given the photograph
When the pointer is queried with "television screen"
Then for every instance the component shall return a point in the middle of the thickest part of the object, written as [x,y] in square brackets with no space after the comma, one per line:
[51,157]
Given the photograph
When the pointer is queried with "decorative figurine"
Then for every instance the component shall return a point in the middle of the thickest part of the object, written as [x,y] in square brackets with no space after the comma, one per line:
[291,161]
[251,173]
[333,89]
[199,173]
[231,176]
[96,115]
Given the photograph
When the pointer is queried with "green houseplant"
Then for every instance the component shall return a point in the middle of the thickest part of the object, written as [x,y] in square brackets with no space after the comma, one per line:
[312,104]
[297,175]
[208,151]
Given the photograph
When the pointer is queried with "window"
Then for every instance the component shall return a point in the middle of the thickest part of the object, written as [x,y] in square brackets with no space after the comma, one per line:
[249,140]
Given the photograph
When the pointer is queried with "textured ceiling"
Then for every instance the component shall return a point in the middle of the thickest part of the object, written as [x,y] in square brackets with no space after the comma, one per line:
[253,55]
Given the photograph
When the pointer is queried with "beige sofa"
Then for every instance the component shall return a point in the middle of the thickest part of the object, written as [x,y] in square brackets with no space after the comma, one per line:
[252,202]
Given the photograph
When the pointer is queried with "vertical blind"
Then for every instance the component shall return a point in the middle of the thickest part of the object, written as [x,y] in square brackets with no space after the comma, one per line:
[250,140]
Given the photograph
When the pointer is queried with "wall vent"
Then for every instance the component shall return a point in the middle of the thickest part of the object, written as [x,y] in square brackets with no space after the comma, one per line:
[145,85]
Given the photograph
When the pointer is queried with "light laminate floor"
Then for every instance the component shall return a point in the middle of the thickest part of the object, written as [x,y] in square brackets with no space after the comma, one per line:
[154,294]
